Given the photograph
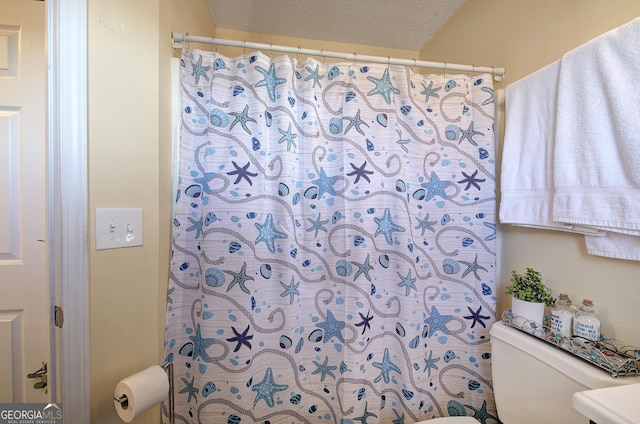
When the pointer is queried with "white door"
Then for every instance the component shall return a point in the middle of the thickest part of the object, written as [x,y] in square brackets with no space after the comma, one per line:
[24,244]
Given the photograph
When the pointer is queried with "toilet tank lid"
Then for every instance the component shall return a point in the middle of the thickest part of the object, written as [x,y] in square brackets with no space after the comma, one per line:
[564,362]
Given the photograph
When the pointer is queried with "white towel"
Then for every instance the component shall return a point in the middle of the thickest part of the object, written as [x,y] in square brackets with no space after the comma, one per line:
[614,245]
[526,181]
[597,145]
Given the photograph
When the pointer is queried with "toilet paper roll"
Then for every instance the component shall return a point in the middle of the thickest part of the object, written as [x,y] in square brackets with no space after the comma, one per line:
[143,390]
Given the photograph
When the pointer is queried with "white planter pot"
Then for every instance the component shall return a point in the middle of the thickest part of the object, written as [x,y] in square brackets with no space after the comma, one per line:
[528,315]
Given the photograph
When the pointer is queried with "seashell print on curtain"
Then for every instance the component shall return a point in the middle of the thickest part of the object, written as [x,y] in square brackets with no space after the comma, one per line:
[333,243]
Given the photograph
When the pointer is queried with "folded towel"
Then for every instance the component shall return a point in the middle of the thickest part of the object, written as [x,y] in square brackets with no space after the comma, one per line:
[527,154]
[614,245]
[597,144]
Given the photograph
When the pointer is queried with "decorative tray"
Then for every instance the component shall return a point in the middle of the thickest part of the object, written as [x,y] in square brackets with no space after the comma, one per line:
[611,355]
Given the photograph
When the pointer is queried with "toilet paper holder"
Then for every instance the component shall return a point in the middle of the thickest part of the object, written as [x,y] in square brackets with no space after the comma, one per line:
[122,400]
[168,368]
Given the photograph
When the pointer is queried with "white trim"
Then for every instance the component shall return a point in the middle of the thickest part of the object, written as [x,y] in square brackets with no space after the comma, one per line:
[52,204]
[68,116]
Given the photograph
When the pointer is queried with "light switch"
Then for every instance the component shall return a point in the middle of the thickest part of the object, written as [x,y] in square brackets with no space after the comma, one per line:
[116,228]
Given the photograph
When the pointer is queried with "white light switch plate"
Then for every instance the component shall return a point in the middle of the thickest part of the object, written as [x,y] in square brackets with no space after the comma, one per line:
[118,228]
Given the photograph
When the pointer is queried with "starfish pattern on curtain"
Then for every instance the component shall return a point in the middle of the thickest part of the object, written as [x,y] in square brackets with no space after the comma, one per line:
[333,243]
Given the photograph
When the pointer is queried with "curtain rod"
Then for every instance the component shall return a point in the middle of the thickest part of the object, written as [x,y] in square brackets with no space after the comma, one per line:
[178,38]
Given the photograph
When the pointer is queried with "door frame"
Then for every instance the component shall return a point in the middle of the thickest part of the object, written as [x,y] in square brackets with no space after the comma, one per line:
[68,198]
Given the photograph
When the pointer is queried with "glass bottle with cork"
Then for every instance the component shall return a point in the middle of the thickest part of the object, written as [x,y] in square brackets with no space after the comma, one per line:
[586,324]
[562,316]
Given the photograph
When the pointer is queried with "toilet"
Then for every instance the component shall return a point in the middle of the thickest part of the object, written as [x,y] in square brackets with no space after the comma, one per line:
[534,382]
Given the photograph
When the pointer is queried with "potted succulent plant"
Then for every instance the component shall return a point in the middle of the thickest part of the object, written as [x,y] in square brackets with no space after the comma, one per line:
[529,296]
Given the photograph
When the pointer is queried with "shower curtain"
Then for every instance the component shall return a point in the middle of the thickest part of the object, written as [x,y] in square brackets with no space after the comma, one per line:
[333,250]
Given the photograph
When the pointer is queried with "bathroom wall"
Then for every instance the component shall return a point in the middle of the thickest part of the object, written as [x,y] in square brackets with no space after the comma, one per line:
[129,167]
[524,36]
[130,159]
[333,46]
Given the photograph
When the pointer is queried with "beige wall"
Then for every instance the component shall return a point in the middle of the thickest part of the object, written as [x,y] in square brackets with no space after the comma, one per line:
[333,46]
[523,36]
[129,166]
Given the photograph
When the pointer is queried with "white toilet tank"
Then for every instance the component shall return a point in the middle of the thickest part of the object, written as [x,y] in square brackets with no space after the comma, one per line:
[533,382]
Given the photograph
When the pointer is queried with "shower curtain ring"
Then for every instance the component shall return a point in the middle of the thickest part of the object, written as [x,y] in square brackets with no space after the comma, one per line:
[445,69]
[186,36]
[271,51]
[244,47]
[355,57]
[299,48]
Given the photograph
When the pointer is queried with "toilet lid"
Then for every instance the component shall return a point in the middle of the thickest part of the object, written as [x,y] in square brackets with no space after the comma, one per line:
[450,420]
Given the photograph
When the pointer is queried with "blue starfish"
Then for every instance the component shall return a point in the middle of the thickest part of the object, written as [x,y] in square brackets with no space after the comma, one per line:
[403,142]
[471,180]
[473,267]
[425,224]
[482,414]
[383,86]
[331,328]
[197,226]
[199,70]
[437,322]
[289,137]
[242,118]
[476,317]
[242,172]
[204,181]
[317,225]
[407,282]
[363,268]
[268,233]
[399,418]
[325,369]
[199,345]
[493,227]
[435,187]
[266,389]
[365,322]
[385,367]
[314,76]
[291,290]
[241,339]
[325,184]
[169,293]
[469,133]
[366,415]
[490,99]
[429,91]
[386,226]
[189,388]
[239,278]
[430,363]
[360,172]
[355,122]
[271,81]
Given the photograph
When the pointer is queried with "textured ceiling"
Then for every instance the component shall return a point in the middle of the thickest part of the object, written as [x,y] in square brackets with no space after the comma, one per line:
[399,24]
